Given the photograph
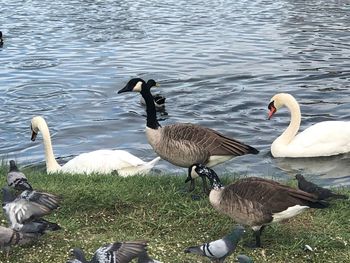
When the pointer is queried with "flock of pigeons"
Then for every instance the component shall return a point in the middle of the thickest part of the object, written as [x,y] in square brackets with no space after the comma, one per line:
[25,212]
[253,201]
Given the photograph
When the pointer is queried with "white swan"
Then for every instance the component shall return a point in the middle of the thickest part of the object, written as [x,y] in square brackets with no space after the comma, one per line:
[100,161]
[321,139]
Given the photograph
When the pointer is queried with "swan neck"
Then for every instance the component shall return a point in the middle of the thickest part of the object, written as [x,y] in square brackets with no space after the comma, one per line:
[51,163]
[152,121]
[295,120]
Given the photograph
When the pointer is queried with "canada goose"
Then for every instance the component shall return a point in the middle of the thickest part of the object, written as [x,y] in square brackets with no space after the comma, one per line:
[28,207]
[184,144]
[100,161]
[220,249]
[17,179]
[255,201]
[320,192]
[118,252]
[321,139]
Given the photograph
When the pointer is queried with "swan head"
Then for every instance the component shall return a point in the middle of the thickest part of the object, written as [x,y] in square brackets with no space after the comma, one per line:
[277,102]
[35,126]
[138,84]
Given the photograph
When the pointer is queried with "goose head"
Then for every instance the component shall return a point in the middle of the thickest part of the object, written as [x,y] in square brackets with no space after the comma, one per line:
[200,170]
[138,85]
[35,126]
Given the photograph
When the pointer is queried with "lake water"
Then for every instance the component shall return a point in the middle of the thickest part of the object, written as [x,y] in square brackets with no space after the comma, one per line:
[218,62]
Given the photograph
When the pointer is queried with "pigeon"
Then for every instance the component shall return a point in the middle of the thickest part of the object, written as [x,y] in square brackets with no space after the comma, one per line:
[320,192]
[118,252]
[145,258]
[219,249]
[244,259]
[10,237]
[27,207]
[17,179]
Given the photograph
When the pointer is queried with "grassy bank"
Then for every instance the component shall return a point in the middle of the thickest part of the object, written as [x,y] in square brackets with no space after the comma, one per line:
[101,209]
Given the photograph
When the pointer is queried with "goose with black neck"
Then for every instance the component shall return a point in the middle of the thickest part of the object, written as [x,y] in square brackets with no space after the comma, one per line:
[184,144]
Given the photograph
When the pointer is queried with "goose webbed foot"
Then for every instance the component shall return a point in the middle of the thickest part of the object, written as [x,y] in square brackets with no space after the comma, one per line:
[257,235]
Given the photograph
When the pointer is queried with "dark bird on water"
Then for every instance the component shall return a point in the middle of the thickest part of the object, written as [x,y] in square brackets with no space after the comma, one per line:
[320,192]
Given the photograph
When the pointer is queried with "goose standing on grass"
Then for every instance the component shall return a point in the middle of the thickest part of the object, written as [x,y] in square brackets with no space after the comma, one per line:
[118,252]
[321,139]
[220,249]
[100,161]
[320,192]
[184,144]
[16,179]
[255,201]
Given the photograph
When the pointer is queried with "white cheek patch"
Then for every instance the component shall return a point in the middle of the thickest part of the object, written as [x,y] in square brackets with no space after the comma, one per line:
[137,87]
[194,173]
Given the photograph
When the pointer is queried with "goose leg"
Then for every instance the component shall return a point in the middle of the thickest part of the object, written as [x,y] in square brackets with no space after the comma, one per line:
[257,235]
[192,185]
[205,186]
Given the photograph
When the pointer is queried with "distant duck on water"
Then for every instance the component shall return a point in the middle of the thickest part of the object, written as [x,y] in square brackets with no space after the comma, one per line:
[1,40]
[184,144]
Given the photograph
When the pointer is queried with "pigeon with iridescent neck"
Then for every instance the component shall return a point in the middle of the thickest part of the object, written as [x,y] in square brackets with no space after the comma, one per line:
[220,249]
[16,179]
[25,211]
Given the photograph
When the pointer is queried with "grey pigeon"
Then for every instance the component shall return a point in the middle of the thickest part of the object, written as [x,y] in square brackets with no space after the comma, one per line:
[145,258]
[10,237]
[219,249]
[244,259]
[118,252]
[320,192]
[17,179]
[28,206]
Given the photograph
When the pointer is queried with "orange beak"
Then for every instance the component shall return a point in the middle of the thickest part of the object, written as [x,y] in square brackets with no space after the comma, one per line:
[272,109]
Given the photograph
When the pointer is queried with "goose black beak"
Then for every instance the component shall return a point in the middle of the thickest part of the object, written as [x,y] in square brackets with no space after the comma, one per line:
[125,89]
[34,134]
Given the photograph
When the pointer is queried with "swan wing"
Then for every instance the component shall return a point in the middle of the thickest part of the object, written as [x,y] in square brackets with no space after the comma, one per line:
[322,139]
[102,161]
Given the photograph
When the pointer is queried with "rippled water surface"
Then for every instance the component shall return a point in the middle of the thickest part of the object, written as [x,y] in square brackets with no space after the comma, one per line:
[218,62]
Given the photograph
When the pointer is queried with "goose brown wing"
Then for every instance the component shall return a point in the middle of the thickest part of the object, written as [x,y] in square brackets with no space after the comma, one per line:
[257,199]
[206,139]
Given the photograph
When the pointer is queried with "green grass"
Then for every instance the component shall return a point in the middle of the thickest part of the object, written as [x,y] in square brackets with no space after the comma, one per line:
[99,209]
